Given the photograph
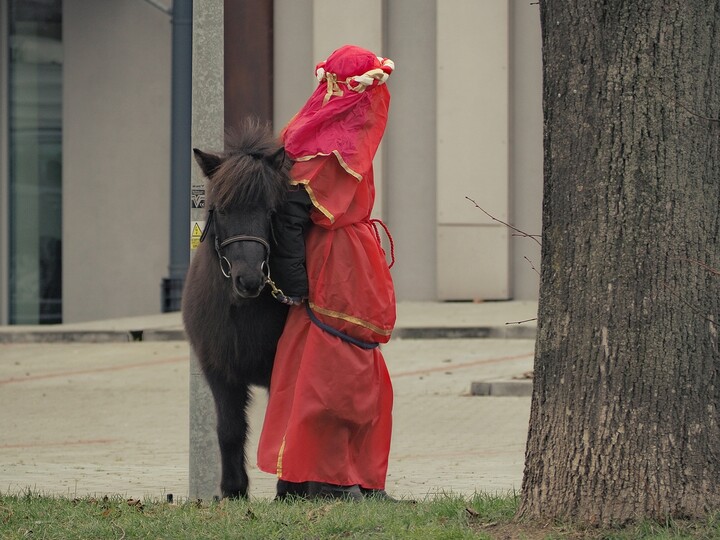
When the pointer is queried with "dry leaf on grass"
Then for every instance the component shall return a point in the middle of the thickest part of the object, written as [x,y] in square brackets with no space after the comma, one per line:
[315,513]
[136,503]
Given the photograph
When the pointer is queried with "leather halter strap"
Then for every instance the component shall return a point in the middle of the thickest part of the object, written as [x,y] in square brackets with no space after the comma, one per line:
[244,238]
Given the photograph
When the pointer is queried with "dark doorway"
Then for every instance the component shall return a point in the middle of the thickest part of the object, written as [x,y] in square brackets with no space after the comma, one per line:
[248,60]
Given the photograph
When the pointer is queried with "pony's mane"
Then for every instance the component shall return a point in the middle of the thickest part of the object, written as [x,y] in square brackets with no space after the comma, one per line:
[253,172]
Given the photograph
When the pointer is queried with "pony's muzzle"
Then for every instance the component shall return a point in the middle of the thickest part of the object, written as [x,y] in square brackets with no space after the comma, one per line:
[248,284]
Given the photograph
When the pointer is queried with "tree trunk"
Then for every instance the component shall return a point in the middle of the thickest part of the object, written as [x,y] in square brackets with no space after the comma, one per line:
[624,421]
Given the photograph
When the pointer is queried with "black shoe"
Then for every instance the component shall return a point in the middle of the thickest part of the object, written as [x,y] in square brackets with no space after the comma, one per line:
[381,495]
[287,490]
[322,490]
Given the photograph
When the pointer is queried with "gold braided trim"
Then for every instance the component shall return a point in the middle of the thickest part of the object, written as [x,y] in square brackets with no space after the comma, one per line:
[366,79]
[350,319]
[332,87]
[344,165]
[313,199]
[363,81]
[280,458]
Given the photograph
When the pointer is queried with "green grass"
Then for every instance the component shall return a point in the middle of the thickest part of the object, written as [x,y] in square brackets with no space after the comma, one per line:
[443,516]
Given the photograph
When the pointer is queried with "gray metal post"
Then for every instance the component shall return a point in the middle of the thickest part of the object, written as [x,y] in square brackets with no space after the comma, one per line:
[4,176]
[179,153]
[207,134]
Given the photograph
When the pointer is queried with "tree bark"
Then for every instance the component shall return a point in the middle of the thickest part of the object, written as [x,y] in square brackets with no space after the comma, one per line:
[624,420]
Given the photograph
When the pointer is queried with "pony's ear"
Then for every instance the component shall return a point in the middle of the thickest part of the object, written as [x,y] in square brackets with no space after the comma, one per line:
[208,162]
[277,158]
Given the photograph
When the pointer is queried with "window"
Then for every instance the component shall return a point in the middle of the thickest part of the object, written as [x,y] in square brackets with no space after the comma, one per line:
[35,161]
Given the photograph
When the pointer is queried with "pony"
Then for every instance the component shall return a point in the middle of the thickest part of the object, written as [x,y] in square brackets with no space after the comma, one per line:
[231,319]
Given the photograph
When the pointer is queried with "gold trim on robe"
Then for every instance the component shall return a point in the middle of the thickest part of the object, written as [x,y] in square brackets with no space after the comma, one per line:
[350,319]
[340,159]
[313,199]
[280,458]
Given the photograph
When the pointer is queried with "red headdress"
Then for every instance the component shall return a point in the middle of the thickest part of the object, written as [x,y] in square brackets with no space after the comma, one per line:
[346,115]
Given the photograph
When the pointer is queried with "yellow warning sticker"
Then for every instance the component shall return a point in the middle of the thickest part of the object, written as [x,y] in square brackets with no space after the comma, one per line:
[196,230]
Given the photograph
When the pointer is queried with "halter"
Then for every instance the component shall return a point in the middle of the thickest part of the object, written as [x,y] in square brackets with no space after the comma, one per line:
[219,246]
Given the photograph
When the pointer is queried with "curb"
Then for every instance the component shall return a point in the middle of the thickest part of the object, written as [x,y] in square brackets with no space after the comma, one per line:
[33,335]
[503,388]
[69,336]
[90,336]
[466,332]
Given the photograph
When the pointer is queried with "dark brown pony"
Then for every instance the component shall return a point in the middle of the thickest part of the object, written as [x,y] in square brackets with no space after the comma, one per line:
[230,317]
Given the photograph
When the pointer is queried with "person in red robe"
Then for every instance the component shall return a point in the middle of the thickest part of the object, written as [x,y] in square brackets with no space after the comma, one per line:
[328,423]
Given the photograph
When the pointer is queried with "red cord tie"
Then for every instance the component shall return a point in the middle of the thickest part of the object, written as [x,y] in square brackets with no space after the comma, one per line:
[375,223]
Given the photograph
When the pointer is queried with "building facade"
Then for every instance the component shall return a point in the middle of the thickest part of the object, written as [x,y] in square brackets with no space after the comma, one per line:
[85,133]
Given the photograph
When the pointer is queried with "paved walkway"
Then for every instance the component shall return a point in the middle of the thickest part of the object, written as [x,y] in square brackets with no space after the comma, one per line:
[111,417]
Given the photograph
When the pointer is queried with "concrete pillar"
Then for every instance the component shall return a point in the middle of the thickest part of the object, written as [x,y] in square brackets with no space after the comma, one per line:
[526,148]
[472,149]
[410,166]
[293,58]
[207,133]
[116,147]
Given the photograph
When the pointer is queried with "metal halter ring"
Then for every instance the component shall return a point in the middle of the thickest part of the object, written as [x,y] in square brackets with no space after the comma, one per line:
[265,269]
[222,267]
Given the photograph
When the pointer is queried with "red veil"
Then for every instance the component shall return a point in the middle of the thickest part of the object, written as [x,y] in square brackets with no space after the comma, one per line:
[347,113]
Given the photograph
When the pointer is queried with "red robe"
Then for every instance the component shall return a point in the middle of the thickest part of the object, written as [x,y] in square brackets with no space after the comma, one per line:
[329,416]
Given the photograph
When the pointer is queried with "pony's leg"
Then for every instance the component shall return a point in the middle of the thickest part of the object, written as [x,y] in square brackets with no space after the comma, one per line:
[231,402]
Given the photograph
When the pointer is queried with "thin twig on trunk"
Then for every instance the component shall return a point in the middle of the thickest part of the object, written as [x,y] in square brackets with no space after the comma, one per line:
[533,237]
